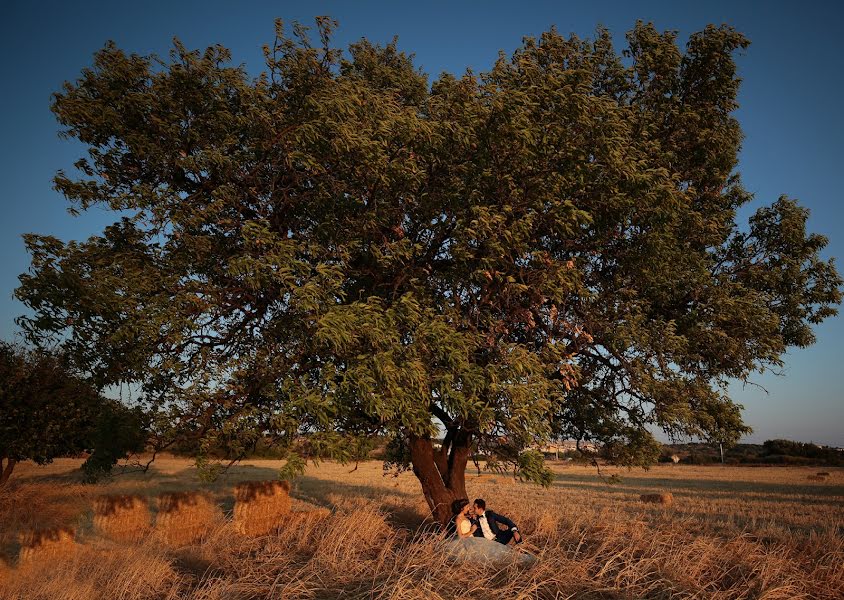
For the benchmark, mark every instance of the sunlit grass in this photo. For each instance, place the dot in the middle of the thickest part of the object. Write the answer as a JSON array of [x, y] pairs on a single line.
[[731, 532]]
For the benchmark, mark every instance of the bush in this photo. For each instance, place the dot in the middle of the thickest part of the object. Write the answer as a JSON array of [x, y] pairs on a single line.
[[699, 459], [813, 453], [118, 432], [48, 409]]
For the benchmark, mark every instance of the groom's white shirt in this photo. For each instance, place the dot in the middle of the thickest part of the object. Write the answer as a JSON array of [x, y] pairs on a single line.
[[485, 528]]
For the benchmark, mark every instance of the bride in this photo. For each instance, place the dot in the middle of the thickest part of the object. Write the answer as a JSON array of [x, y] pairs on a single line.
[[464, 545], [463, 526]]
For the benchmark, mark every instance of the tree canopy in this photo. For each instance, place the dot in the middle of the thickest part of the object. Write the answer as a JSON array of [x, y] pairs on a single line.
[[341, 247]]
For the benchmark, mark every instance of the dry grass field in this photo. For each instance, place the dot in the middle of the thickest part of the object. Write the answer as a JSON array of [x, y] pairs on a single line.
[[728, 532]]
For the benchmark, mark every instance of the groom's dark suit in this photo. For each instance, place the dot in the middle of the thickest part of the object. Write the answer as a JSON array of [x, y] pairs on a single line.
[[493, 519]]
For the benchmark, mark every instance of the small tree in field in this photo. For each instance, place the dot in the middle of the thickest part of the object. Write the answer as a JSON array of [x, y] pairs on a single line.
[[45, 411], [340, 248]]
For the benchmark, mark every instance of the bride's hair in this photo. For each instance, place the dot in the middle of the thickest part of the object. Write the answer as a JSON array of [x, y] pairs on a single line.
[[457, 505]]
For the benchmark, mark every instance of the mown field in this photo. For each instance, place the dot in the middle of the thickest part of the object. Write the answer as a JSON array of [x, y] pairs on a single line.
[[732, 532]]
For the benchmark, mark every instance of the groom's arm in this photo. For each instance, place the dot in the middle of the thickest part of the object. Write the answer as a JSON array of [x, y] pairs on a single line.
[[512, 526], [506, 521]]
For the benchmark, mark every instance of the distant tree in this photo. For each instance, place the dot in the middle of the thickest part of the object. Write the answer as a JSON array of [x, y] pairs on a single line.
[[45, 411], [788, 448], [338, 249], [48, 410], [724, 427], [117, 432]]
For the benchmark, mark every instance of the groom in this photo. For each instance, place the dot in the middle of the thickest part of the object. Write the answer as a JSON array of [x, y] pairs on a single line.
[[488, 521]]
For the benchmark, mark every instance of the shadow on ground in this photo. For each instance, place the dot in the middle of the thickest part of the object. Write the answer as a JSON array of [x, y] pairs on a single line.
[[638, 485]]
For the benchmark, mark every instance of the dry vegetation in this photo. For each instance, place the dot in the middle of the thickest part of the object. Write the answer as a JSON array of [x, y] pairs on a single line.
[[121, 517], [729, 533], [260, 505]]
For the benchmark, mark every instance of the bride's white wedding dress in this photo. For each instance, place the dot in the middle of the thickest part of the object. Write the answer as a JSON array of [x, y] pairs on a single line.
[[479, 548]]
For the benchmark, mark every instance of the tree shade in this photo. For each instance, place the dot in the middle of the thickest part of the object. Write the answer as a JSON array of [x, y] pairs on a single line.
[[339, 248]]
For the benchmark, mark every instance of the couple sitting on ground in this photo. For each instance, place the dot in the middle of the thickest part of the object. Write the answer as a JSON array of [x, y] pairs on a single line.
[[475, 532], [475, 520]]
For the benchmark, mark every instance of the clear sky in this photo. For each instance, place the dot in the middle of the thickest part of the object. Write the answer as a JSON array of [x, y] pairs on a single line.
[[790, 111]]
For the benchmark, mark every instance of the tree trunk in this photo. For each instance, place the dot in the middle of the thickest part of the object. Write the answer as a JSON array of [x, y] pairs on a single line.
[[6, 472], [441, 473]]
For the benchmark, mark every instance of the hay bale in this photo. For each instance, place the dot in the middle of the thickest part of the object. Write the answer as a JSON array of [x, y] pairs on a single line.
[[46, 543], [184, 517], [664, 498], [260, 506], [122, 518]]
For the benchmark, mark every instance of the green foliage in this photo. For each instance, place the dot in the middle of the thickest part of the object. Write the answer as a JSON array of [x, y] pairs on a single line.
[[785, 449], [771, 452], [208, 469], [633, 447], [118, 432], [696, 458], [293, 467], [531, 467], [341, 248], [396, 456], [48, 410], [45, 409]]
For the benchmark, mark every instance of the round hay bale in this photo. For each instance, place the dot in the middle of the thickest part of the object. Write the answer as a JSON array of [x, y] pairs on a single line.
[[663, 498]]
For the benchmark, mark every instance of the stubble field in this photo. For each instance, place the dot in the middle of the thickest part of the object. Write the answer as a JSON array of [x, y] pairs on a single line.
[[732, 532]]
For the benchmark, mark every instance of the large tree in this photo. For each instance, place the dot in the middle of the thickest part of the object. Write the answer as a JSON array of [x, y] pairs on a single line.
[[340, 248]]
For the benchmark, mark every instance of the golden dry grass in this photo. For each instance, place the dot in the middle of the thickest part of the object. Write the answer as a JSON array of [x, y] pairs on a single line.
[[731, 533]]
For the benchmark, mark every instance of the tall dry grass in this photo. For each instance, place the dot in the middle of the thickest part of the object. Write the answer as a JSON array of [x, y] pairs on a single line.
[[737, 534]]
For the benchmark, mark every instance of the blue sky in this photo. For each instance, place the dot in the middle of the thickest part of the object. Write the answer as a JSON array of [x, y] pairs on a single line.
[[790, 112]]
